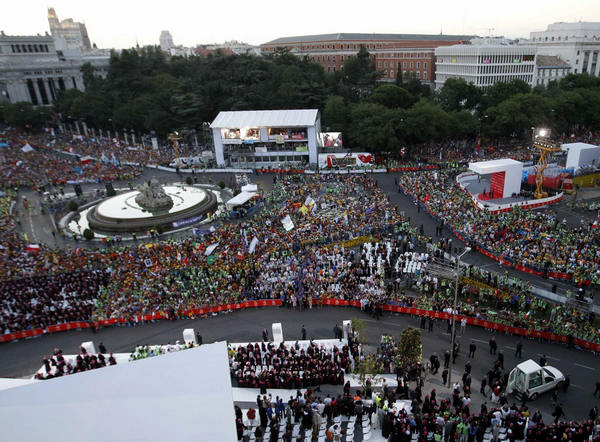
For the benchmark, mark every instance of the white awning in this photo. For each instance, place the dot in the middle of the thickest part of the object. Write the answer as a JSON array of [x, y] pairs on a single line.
[[250, 188], [238, 200], [487, 167], [267, 118]]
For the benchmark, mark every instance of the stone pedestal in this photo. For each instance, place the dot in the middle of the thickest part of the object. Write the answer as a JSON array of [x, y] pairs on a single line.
[[89, 347], [189, 336], [277, 332]]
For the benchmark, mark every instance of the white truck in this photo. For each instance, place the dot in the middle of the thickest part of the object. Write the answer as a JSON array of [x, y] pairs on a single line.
[[532, 379]]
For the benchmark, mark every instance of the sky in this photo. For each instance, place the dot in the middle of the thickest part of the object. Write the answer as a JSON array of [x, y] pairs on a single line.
[[120, 24]]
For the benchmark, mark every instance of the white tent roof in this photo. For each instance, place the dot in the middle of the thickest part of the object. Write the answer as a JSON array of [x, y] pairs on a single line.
[[183, 396], [250, 188], [492, 166], [270, 118], [577, 146], [240, 199]]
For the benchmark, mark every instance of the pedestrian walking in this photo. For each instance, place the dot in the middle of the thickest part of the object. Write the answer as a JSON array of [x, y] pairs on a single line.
[[558, 413], [543, 361], [519, 350], [445, 376], [597, 390], [463, 326], [483, 385], [493, 345], [265, 334], [430, 324], [472, 349], [501, 359], [303, 333], [447, 359]]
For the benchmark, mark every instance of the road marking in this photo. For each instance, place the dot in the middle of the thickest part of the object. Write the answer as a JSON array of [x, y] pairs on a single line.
[[577, 386], [549, 357], [584, 366], [479, 340], [510, 348]]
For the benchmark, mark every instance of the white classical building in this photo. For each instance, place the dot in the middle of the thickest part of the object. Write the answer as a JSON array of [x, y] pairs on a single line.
[[576, 43], [252, 139], [485, 62], [32, 70]]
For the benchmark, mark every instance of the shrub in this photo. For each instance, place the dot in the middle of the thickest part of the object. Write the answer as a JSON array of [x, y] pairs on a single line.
[[88, 234], [222, 184], [73, 206]]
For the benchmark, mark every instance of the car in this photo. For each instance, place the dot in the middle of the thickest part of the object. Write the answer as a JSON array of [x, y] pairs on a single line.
[[532, 379]]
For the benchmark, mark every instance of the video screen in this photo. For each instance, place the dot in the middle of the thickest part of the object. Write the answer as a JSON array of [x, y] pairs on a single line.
[[331, 139]]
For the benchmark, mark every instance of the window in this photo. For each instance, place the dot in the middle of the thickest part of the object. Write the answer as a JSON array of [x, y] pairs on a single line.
[[379, 64], [385, 65], [424, 65], [411, 64], [392, 73], [424, 75], [419, 75], [418, 65], [404, 65]]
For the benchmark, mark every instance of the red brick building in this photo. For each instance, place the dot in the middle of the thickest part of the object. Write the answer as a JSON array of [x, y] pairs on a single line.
[[391, 52]]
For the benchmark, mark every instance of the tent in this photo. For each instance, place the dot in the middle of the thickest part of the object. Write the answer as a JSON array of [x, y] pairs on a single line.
[[239, 199], [27, 148], [182, 396]]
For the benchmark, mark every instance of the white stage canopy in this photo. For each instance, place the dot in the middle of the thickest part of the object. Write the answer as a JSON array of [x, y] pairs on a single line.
[[239, 199], [266, 118], [183, 396], [506, 175], [581, 155]]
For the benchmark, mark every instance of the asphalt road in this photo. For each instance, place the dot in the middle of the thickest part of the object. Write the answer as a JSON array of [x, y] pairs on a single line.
[[21, 359]]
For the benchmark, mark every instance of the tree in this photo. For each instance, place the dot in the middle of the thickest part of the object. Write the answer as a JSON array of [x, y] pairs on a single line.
[[502, 91], [374, 127], [392, 96], [515, 117], [360, 74], [25, 116], [360, 330], [457, 94], [427, 121], [335, 115], [410, 349], [368, 370]]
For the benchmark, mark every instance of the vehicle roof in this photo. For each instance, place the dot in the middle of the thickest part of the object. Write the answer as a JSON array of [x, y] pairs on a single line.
[[529, 366]]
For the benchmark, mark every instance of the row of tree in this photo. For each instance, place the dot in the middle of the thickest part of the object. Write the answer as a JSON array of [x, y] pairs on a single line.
[[144, 91]]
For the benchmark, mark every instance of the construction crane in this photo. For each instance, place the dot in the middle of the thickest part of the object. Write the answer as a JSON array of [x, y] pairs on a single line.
[[546, 147], [174, 138]]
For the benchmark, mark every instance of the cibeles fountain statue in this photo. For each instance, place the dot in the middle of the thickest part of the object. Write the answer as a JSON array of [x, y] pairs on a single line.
[[153, 197]]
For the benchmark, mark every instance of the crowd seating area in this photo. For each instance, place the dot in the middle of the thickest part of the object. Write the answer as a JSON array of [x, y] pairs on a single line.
[[290, 366], [58, 365]]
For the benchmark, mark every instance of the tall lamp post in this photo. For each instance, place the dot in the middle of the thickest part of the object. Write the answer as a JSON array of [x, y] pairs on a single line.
[[444, 270], [456, 275]]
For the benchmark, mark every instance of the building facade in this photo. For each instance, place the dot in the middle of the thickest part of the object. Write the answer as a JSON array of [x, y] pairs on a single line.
[[484, 64], [550, 68], [408, 53], [74, 33], [254, 139], [578, 44], [166, 41], [31, 69]]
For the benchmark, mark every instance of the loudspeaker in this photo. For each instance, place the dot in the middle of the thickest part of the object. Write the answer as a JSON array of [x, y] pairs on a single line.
[[78, 191]]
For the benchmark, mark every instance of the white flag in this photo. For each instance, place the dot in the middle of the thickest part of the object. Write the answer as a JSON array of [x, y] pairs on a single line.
[[211, 248], [253, 245], [288, 224]]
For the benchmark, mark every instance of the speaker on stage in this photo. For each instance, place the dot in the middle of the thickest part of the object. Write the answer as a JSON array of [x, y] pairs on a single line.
[[78, 191]]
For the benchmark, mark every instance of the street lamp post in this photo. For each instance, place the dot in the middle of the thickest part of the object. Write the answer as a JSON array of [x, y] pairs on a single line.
[[456, 275]]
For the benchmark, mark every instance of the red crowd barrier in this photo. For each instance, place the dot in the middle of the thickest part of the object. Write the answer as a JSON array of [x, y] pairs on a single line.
[[333, 302], [279, 170]]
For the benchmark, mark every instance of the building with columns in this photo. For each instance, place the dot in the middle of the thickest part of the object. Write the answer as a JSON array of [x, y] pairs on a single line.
[[32, 70], [409, 53], [578, 44], [550, 68], [485, 62]]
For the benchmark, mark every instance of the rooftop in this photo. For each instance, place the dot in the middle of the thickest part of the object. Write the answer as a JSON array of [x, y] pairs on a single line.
[[266, 118], [550, 61], [368, 37]]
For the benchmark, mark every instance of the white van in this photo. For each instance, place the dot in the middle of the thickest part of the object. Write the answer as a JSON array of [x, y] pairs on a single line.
[[531, 378]]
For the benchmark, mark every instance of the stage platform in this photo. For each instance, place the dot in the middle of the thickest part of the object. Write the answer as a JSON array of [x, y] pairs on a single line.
[[476, 185]]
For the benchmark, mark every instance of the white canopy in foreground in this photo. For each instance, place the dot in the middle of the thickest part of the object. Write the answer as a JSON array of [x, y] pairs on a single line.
[[239, 199], [183, 396]]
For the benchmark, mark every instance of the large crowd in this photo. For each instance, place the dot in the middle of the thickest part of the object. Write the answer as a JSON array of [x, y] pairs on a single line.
[[539, 240]]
